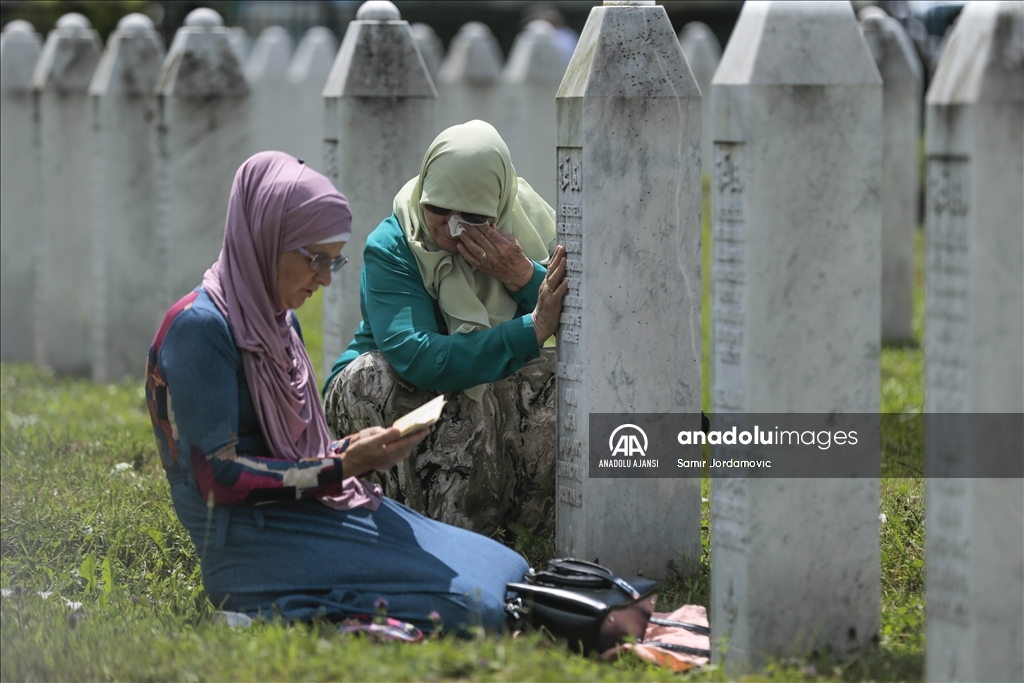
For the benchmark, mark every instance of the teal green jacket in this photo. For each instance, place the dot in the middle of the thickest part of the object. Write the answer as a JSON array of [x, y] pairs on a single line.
[[402, 320]]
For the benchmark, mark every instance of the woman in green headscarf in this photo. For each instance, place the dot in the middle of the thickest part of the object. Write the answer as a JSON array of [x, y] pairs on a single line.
[[461, 287]]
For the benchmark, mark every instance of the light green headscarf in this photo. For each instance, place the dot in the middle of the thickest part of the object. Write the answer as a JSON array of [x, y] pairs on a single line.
[[468, 168]]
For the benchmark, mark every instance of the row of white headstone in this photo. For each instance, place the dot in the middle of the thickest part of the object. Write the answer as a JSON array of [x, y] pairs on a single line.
[[797, 212], [798, 206], [122, 158]]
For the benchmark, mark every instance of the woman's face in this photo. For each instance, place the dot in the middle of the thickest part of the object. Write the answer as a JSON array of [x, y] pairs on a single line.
[[296, 279], [438, 227]]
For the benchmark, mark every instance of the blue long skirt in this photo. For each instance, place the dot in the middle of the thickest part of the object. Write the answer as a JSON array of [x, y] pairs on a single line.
[[302, 560]]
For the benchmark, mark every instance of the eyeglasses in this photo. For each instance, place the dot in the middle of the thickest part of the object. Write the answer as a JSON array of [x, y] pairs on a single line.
[[323, 262], [469, 218]]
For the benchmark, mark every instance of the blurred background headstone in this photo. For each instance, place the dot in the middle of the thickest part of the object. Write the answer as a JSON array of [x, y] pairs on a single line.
[[273, 109], [531, 79], [703, 52], [19, 51], [126, 293], [63, 273], [307, 75], [901, 116], [469, 83], [203, 136]]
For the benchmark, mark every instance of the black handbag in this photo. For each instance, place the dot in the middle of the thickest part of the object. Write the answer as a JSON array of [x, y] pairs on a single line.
[[584, 603]]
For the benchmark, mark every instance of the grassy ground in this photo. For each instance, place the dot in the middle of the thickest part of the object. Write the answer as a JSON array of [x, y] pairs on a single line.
[[86, 517]]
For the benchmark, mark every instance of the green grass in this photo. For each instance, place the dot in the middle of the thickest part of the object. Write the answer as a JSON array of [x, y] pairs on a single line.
[[86, 514]]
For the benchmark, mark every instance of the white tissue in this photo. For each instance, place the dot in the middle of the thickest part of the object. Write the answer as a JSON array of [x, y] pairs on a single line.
[[455, 226]]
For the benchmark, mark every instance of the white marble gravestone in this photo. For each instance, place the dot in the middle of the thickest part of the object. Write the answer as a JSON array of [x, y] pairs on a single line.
[[379, 120], [203, 136], [62, 305], [629, 215], [535, 68], [431, 48], [901, 115], [273, 109], [307, 75], [974, 348], [19, 52], [702, 50], [126, 294], [469, 82], [796, 272]]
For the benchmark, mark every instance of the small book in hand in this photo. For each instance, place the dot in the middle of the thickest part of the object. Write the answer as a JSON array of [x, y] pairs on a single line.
[[424, 416]]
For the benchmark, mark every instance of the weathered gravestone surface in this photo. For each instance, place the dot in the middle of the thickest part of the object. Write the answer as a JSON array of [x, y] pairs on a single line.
[[901, 117], [629, 207], [531, 78], [273, 109], [703, 51], [975, 350], [203, 136], [307, 75], [379, 116], [796, 275], [469, 83], [431, 48], [63, 295], [19, 52], [126, 295]]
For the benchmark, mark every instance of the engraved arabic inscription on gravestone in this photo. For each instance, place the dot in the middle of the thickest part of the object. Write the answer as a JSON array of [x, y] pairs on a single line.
[[729, 276], [570, 368], [947, 383]]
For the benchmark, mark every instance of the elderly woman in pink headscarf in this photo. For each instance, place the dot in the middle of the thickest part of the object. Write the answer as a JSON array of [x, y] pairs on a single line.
[[282, 519]]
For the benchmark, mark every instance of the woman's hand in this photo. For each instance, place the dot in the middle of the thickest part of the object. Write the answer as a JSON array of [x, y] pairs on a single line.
[[496, 253], [549, 298], [376, 449]]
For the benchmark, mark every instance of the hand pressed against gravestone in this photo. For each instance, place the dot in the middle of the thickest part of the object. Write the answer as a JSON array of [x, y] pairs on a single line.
[[549, 297], [495, 252]]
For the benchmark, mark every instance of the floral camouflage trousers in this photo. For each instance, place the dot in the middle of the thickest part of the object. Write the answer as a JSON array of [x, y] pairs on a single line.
[[485, 465]]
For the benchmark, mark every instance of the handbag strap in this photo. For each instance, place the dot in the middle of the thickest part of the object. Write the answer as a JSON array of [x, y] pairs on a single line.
[[581, 572]]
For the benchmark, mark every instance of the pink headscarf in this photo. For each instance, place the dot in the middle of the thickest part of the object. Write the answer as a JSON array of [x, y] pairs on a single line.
[[278, 204]]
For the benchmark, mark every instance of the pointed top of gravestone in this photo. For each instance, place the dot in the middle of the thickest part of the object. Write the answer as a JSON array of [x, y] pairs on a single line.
[[474, 57], [871, 12], [378, 10], [270, 55], [379, 59], [69, 57], [628, 52], [536, 56], [702, 51], [430, 46], [73, 20], [313, 57], [201, 61], [984, 60], [890, 45], [796, 43], [19, 52], [131, 63], [203, 17], [135, 22], [627, 3], [18, 27]]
